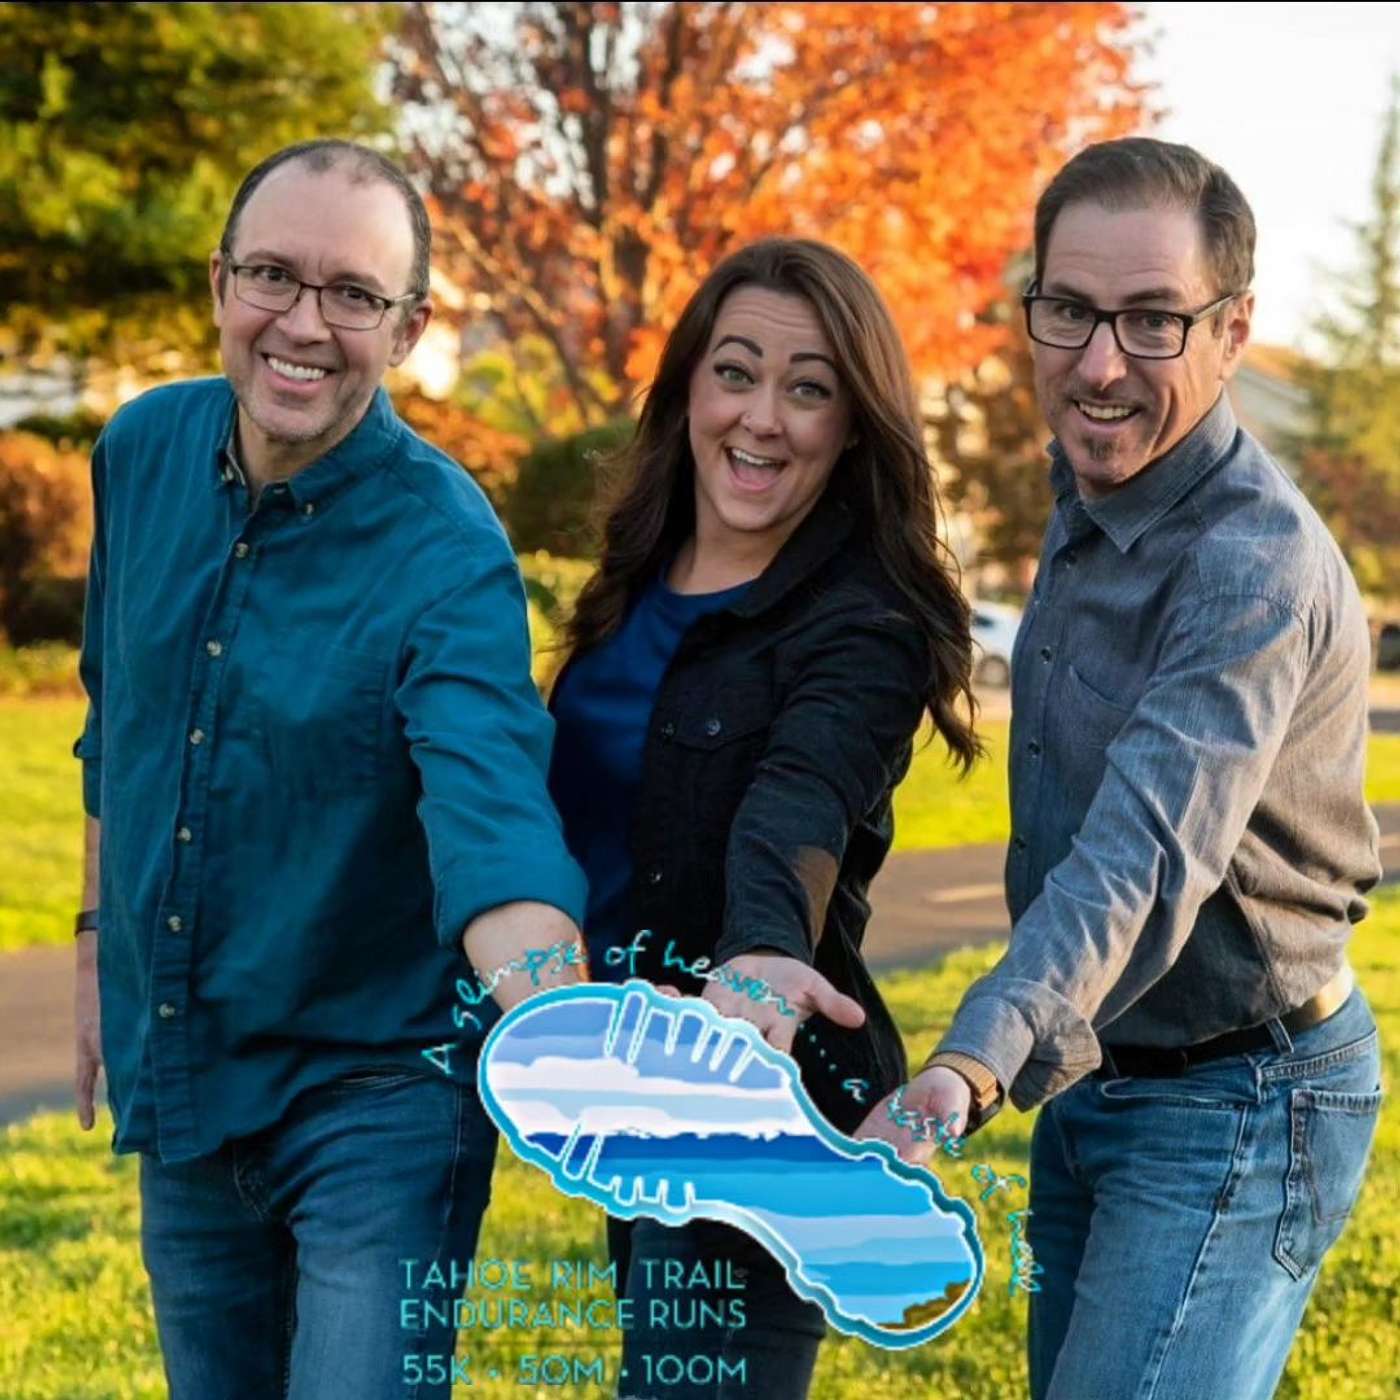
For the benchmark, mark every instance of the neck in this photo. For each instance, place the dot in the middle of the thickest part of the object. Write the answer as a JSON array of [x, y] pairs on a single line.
[[710, 566], [265, 459]]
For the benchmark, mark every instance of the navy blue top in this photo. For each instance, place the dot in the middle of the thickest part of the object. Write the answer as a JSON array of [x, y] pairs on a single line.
[[316, 753], [602, 706]]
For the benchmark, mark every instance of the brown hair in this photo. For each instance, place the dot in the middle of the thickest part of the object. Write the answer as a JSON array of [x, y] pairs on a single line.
[[884, 477], [1140, 172]]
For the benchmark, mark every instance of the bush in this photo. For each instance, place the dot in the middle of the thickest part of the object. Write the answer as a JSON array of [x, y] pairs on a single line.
[[549, 504], [45, 523], [552, 585]]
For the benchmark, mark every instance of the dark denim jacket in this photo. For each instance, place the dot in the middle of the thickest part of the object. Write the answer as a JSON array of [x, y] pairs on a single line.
[[779, 733]]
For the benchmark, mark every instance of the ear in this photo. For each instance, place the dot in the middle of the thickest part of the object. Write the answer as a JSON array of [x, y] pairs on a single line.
[[1239, 316], [216, 268], [410, 331]]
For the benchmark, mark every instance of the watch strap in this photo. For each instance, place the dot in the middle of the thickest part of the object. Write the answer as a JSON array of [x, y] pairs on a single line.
[[86, 922]]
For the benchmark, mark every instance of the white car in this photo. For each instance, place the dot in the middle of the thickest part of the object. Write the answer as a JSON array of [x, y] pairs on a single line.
[[994, 627]]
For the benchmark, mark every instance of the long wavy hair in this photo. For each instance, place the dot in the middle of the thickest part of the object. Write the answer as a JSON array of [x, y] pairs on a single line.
[[884, 478]]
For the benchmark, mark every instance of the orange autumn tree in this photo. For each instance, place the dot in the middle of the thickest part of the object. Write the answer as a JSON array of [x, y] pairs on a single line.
[[588, 163]]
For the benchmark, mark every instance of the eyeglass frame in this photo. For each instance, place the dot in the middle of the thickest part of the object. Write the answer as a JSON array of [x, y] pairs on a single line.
[[1187, 318], [387, 304]]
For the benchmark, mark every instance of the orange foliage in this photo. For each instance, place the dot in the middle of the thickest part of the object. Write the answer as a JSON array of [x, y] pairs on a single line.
[[599, 158]]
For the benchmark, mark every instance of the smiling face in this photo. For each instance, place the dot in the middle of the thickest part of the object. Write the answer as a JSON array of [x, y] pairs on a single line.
[[1114, 414], [302, 385], [768, 418]]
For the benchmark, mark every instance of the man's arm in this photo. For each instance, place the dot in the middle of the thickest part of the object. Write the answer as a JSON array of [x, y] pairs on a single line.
[[87, 1012], [505, 884], [1181, 780]]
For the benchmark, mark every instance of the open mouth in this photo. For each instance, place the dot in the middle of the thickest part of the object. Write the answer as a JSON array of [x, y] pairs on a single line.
[[752, 472], [1105, 415], [294, 371]]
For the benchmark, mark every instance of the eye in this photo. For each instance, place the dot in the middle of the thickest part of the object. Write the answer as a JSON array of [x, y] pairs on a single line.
[[730, 373], [349, 293], [1154, 320], [265, 275], [811, 389], [1073, 312]]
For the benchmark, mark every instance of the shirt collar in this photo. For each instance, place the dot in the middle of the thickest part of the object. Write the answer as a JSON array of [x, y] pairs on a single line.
[[366, 448], [1127, 513]]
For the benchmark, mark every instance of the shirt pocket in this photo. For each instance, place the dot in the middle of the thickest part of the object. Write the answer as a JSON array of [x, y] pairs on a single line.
[[721, 740], [321, 717], [1092, 713]]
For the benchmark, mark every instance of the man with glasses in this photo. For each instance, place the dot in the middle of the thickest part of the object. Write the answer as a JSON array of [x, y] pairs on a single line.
[[1190, 844], [314, 772]]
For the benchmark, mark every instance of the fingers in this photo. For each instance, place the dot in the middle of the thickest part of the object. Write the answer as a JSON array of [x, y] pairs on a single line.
[[84, 1084], [834, 1005]]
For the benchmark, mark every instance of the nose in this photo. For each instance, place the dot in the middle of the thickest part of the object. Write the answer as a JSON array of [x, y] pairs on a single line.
[[761, 414], [302, 320], [1101, 361]]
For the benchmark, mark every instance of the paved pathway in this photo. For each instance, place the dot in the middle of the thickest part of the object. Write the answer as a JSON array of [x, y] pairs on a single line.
[[925, 903]]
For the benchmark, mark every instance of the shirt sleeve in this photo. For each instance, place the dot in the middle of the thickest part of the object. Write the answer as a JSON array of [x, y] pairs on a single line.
[[840, 741], [480, 738], [1181, 779], [88, 747]]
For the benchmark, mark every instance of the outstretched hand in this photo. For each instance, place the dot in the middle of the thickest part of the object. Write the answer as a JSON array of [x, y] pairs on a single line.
[[777, 993], [930, 1110]]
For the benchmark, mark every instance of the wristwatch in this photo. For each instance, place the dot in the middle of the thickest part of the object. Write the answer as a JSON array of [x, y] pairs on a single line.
[[86, 922], [986, 1091]]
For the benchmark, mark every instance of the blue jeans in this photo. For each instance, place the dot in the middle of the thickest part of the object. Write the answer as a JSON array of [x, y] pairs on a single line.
[[1181, 1221], [277, 1263], [713, 1316]]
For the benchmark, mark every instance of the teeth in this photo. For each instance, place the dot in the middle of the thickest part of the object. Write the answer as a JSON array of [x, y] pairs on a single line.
[[1102, 414], [291, 371], [748, 460]]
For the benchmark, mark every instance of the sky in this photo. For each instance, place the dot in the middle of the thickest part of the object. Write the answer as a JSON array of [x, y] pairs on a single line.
[[1289, 99]]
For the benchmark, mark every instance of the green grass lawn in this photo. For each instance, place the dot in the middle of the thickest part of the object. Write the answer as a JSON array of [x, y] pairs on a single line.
[[41, 814], [75, 1323]]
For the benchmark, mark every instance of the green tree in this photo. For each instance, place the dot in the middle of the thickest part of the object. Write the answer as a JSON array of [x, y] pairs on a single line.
[[124, 130], [1349, 449]]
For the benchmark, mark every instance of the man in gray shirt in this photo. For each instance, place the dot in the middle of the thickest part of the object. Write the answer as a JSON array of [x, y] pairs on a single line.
[[1190, 843]]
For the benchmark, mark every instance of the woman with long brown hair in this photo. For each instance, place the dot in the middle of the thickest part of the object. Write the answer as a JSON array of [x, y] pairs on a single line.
[[772, 615]]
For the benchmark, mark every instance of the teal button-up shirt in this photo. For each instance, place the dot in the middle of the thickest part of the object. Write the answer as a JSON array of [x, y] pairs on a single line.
[[316, 753]]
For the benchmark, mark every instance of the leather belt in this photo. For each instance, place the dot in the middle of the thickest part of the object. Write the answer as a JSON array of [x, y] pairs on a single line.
[[1158, 1062]]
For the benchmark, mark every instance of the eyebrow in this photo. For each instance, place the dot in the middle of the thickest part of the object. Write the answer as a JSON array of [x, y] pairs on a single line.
[[1146, 297], [366, 279], [753, 347]]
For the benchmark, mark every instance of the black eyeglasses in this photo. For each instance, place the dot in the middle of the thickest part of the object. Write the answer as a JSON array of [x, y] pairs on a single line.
[[343, 304], [1145, 333]]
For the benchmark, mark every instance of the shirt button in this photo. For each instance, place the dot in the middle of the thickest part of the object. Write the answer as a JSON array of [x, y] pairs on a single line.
[[668, 730], [184, 834], [309, 508], [214, 648], [1019, 842], [1046, 653], [654, 875], [240, 550], [1033, 748], [196, 736], [165, 1011], [713, 726], [174, 923]]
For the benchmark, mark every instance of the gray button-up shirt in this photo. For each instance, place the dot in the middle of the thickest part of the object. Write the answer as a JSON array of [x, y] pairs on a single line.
[[1190, 843]]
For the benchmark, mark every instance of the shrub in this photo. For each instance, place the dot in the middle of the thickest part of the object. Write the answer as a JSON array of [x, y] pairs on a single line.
[[550, 503], [45, 523]]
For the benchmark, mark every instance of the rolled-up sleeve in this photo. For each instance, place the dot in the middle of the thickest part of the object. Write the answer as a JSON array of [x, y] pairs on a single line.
[[480, 739], [88, 746], [840, 740], [1182, 778]]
